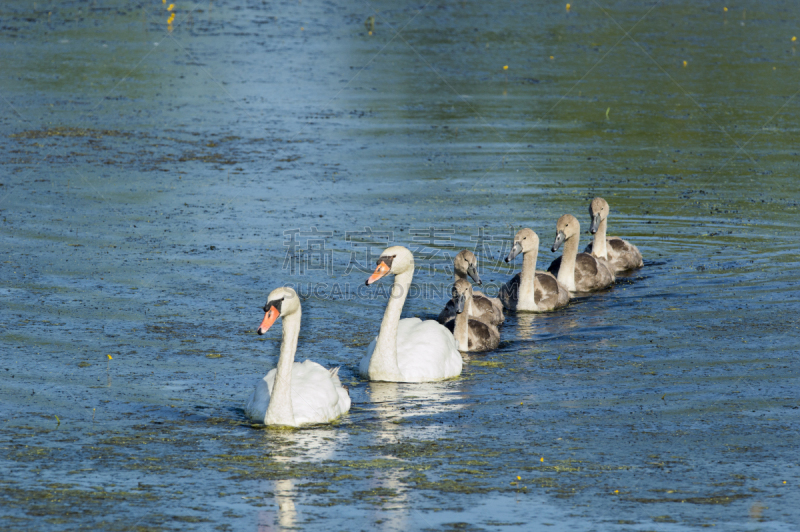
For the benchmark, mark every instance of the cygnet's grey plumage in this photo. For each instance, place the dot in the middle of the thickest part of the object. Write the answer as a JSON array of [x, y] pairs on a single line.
[[578, 272], [620, 254], [472, 335], [543, 292], [488, 309]]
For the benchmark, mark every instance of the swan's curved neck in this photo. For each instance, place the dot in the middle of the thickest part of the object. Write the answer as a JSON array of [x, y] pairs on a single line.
[[279, 411], [383, 363], [599, 248], [461, 327], [459, 276], [566, 272], [525, 298]]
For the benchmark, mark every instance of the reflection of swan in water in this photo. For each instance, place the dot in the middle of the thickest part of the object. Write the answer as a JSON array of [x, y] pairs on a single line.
[[530, 326], [526, 325], [285, 516], [306, 446], [284, 496], [390, 403]]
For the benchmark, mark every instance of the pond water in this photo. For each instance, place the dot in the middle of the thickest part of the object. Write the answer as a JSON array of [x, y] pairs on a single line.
[[156, 178]]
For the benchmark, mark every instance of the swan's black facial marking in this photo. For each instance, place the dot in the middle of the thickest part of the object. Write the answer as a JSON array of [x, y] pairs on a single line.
[[386, 260], [274, 303]]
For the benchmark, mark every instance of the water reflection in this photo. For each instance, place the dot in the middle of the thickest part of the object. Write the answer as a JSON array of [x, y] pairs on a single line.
[[313, 444], [286, 515], [391, 502], [395, 405], [395, 402], [530, 325], [526, 325], [718, 232]]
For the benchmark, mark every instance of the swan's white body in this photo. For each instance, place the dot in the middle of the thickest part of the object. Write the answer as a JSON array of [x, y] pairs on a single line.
[[295, 393], [408, 350], [419, 348], [317, 395]]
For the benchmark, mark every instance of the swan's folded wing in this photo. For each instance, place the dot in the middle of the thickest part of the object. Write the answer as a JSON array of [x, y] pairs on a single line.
[[498, 310], [363, 368], [623, 255], [488, 309], [426, 351], [315, 394], [546, 291], [256, 407]]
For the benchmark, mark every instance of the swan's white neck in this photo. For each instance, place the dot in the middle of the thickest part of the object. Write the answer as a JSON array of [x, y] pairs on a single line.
[[525, 297], [461, 327], [383, 363], [566, 272], [599, 248], [279, 411]]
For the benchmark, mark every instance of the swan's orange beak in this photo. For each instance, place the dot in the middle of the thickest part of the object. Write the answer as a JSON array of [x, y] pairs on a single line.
[[269, 318], [379, 272]]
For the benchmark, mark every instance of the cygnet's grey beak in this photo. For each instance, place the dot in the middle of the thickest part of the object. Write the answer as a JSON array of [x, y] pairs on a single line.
[[472, 272], [515, 250], [460, 301], [595, 223], [560, 237]]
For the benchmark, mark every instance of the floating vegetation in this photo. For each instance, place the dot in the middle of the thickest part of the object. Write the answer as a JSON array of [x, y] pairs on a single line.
[[487, 363], [716, 499], [145, 194], [68, 132]]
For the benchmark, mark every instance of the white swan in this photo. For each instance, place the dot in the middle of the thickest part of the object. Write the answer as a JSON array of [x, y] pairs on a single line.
[[294, 393], [578, 272], [408, 350], [620, 254], [488, 309], [531, 290]]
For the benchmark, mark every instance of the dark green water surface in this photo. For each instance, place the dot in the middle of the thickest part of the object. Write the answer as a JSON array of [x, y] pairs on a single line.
[[153, 176]]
